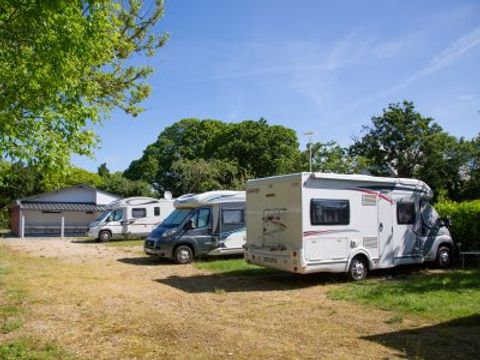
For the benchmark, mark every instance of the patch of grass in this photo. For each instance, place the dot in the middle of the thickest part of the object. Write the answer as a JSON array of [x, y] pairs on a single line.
[[26, 348], [121, 243], [232, 267], [10, 325], [440, 296]]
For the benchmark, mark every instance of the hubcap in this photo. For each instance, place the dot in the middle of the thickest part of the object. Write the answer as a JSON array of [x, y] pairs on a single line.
[[444, 257], [358, 269], [183, 255]]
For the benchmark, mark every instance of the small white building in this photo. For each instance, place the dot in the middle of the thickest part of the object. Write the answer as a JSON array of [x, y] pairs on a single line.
[[60, 212]]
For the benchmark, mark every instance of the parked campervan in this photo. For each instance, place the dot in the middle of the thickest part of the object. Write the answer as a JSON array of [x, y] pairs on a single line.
[[130, 217], [211, 223], [315, 222]]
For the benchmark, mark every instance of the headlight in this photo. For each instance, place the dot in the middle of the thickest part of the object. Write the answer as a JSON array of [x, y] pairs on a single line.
[[169, 233]]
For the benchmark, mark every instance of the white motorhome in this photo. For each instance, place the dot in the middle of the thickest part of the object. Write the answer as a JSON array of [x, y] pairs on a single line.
[[212, 223], [130, 218], [315, 222]]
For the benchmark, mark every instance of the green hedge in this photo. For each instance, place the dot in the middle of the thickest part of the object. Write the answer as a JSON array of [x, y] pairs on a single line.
[[465, 218], [4, 218]]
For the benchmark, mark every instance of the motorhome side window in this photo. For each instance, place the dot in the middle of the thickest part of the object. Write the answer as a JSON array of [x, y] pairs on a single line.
[[139, 212], [156, 211], [232, 217], [329, 212], [202, 218], [406, 213]]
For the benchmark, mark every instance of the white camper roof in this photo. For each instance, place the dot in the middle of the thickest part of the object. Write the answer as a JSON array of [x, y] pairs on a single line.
[[135, 201], [413, 184], [209, 198]]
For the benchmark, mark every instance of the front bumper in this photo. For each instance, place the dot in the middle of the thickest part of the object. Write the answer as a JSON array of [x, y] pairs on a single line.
[[92, 233], [152, 247]]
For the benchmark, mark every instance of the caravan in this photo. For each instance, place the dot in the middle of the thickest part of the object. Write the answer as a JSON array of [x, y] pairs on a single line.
[[314, 222], [211, 223], [130, 218]]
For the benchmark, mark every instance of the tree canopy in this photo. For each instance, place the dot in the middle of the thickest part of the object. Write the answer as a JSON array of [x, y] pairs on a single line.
[[231, 152], [64, 65]]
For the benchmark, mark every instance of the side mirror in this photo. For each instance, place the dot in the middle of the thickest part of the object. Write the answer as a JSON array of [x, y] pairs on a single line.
[[108, 219], [189, 225], [445, 222]]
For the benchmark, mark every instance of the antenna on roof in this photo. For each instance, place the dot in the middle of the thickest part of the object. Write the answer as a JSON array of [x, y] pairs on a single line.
[[167, 195]]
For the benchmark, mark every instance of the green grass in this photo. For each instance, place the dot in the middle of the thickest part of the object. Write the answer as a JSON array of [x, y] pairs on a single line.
[[439, 296], [122, 243], [27, 348], [232, 267]]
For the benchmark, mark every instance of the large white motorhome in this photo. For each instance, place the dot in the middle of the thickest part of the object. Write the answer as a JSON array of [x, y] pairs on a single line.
[[212, 223], [130, 218], [315, 222]]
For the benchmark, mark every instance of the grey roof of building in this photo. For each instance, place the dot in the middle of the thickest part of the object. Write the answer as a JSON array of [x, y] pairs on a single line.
[[60, 206]]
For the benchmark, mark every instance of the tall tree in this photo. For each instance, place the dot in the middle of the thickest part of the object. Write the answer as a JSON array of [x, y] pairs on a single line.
[[330, 157], [65, 64], [238, 150], [397, 141]]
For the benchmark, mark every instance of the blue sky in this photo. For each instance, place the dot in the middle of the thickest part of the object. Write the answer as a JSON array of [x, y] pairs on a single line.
[[322, 66]]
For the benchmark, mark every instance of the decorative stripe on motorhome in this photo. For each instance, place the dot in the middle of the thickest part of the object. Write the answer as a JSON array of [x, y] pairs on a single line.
[[322, 232], [377, 193]]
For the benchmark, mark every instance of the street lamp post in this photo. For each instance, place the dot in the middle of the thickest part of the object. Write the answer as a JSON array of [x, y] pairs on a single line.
[[310, 134]]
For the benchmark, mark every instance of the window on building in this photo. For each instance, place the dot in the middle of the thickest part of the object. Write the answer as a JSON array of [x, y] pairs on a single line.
[[406, 213], [329, 212], [139, 213], [232, 216]]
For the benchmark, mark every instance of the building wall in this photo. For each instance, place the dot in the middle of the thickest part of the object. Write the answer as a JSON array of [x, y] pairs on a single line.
[[104, 198], [76, 194]]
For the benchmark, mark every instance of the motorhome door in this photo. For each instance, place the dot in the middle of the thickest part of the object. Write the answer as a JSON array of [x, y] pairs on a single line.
[[405, 236], [201, 229], [385, 232]]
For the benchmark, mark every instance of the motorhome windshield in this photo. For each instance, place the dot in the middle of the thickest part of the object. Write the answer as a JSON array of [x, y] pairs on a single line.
[[103, 215], [176, 218]]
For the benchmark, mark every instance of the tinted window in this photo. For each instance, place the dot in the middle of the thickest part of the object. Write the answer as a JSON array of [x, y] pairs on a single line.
[[156, 211], [232, 217], [202, 218], [117, 215], [329, 212], [406, 213], [139, 212], [176, 217]]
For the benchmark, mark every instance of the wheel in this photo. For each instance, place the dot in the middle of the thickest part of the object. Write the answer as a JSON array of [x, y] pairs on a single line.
[[104, 236], [444, 257], [358, 269], [183, 254]]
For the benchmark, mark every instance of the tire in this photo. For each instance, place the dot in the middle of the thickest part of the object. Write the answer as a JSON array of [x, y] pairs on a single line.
[[358, 270], [444, 257], [104, 236], [183, 254]]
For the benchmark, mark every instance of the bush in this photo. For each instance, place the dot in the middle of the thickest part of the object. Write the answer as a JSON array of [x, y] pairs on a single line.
[[4, 218], [465, 218]]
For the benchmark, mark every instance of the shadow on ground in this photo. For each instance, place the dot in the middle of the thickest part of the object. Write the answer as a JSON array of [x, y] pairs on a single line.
[[456, 339], [257, 280], [145, 261], [85, 241]]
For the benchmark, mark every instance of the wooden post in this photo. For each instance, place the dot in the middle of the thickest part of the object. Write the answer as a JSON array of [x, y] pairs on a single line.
[[62, 228]]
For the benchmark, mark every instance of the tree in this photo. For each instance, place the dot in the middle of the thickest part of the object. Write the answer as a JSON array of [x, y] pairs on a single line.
[[103, 170], [65, 64], [237, 150], [330, 157], [471, 188], [117, 184], [397, 141]]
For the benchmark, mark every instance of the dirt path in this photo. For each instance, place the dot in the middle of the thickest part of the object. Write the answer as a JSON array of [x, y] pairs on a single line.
[[105, 302]]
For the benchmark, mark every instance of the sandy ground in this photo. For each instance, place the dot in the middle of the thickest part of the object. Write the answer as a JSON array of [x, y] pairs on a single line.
[[103, 302]]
